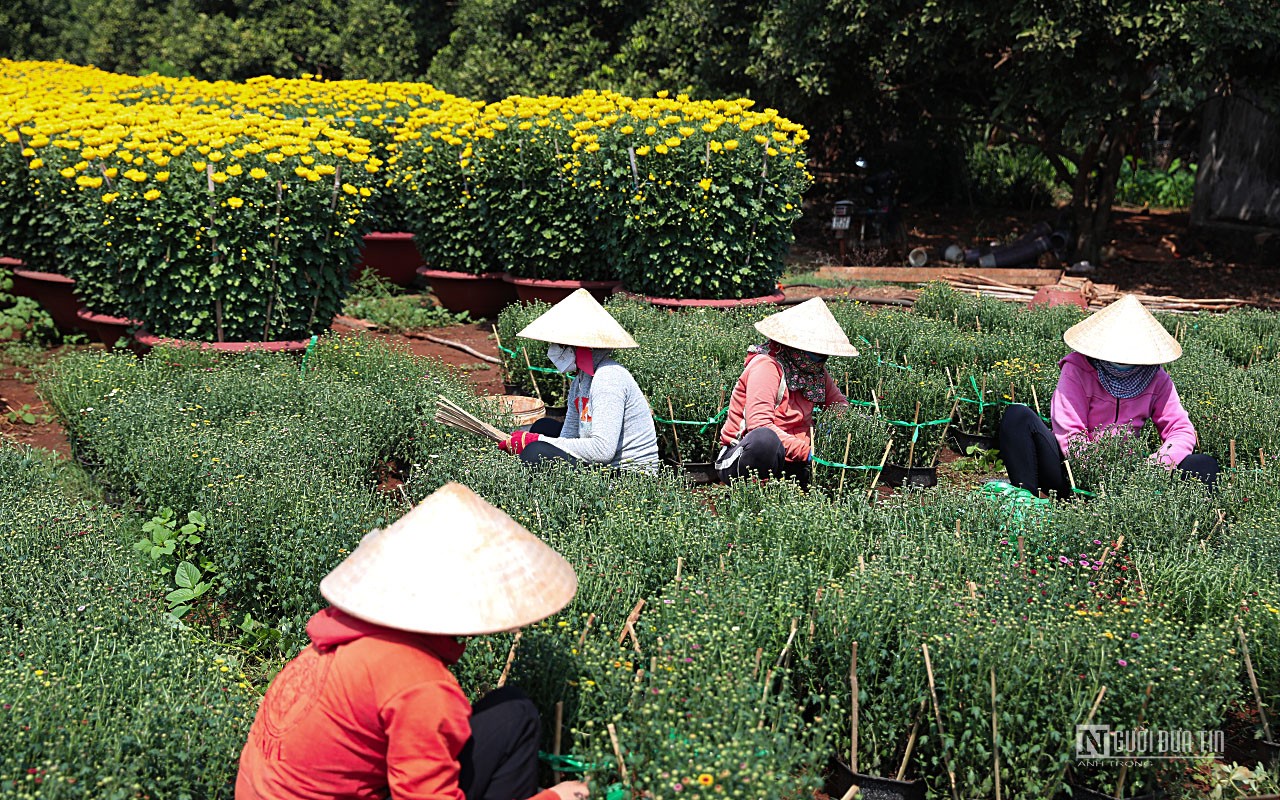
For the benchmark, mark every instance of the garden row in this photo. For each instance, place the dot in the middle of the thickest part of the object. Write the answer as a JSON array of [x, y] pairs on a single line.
[[232, 212], [737, 680], [951, 365]]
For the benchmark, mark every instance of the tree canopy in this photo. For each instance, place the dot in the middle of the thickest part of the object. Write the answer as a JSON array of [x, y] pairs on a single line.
[[1074, 80]]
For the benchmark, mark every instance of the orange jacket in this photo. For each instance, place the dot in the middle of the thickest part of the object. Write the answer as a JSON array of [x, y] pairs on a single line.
[[755, 400], [364, 712]]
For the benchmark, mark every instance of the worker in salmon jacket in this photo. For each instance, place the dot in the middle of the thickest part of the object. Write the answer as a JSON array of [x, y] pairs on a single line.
[[766, 431], [607, 418], [370, 709], [1112, 383]]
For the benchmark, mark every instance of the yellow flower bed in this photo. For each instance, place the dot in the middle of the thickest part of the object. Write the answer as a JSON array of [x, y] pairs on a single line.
[[230, 211]]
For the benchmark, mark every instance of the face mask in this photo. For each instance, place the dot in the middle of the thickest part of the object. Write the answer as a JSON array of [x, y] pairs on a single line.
[[562, 357], [816, 358], [1122, 368]]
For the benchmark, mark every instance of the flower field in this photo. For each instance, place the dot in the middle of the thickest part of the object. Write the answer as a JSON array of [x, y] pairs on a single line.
[[233, 211], [219, 490]]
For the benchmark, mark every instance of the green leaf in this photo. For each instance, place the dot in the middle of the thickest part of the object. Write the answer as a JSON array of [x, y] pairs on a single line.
[[187, 575]]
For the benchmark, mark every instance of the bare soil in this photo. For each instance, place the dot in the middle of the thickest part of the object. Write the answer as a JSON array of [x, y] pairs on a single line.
[[1152, 252]]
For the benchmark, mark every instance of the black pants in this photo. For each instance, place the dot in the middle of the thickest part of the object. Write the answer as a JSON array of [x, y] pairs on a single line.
[[541, 452], [500, 760], [761, 454], [1031, 454]]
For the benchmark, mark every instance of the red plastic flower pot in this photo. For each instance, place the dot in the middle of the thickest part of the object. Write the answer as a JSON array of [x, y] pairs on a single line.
[[145, 341], [394, 256], [55, 293], [530, 290], [107, 329], [481, 295], [676, 302]]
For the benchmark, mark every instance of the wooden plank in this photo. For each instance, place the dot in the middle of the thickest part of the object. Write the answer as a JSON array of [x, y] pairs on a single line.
[[1032, 277]]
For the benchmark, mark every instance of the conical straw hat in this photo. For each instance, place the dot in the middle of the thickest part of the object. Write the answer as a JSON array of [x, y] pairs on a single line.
[[810, 327], [580, 321], [1123, 332], [454, 565]]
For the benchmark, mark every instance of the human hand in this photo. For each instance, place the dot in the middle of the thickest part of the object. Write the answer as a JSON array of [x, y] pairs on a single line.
[[518, 441], [571, 790]]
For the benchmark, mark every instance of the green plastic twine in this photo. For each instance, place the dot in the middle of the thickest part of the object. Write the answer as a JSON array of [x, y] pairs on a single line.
[[310, 346], [705, 424], [530, 367], [838, 465]]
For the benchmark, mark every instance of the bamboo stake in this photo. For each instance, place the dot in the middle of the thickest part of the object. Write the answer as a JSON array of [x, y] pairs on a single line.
[[1036, 399], [851, 792], [679, 566], [995, 732], [675, 436], [862, 563], [848, 440], [876, 479], [982, 403], [511, 657], [875, 402], [937, 713], [1013, 397], [853, 728], [1231, 453], [911, 740], [1253, 681], [756, 670], [532, 377], [617, 752], [631, 620], [1088, 720], [583, 638], [915, 434], [502, 362], [1124, 766], [795, 625], [1262, 458], [1022, 553], [1070, 477], [556, 741], [954, 408]]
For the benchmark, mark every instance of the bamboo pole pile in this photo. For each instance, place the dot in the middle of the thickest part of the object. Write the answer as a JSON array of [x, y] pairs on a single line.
[[1097, 294], [455, 416]]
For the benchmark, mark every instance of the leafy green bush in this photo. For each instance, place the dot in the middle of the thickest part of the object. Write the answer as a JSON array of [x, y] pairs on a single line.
[[1141, 185], [1009, 176], [387, 306]]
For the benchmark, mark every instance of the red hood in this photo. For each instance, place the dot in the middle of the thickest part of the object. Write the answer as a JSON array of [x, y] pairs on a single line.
[[331, 627]]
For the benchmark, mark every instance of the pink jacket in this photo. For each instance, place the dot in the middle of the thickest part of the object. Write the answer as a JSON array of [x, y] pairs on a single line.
[[1082, 409], [754, 400]]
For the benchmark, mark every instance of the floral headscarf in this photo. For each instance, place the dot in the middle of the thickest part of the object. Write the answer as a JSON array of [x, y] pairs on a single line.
[[802, 375]]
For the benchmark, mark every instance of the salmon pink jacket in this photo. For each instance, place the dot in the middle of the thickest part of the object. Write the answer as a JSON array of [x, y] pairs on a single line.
[[1082, 410], [755, 400], [364, 712]]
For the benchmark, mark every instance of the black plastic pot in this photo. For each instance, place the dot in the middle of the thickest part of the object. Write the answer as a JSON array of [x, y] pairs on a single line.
[[1269, 754], [700, 472], [841, 778], [962, 440], [894, 475]]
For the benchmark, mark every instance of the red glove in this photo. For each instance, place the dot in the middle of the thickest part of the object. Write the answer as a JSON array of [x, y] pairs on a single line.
[[518, 442]]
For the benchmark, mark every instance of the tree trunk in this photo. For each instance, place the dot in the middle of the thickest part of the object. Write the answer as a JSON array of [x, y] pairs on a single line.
[[1094, 193]]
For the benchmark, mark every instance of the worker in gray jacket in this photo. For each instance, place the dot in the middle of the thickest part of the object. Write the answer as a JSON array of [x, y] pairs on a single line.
[[607, 419]]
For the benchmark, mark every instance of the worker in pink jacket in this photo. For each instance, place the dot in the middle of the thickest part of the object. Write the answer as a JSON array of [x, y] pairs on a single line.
[[1111, 385], [766, 429]]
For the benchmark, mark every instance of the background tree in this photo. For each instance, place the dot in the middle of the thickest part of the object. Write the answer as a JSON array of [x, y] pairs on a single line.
[[1075, 80]]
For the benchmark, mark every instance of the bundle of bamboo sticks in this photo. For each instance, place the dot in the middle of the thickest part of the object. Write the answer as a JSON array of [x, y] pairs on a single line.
[[1097, 294], [455, 416]]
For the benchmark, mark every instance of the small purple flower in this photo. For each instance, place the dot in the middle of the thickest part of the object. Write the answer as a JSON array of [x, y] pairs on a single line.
[[1097, 541], [1133, 635], [1064, 560], [677, 787], [1122, 662]]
